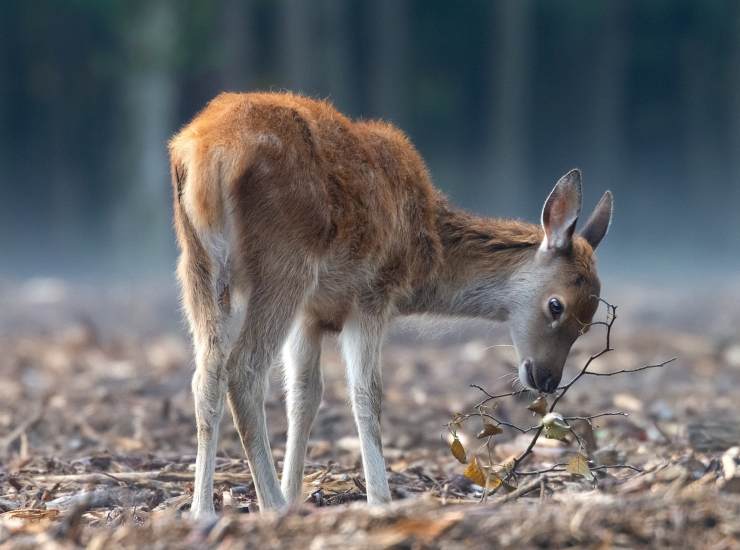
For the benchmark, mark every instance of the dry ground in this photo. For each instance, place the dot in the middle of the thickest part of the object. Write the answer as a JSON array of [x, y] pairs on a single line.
[[97, 436]]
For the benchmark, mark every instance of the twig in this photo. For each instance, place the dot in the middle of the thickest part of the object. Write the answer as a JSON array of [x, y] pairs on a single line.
[[490, 397], [638, 369], [520, 491], [561, 467], [101, 478], [512, 469], [587, 418], [464, 417], [22, 428], [611, 318]]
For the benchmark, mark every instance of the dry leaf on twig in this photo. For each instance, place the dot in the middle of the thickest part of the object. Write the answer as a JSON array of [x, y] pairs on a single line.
[[488, 430], [539, 405], [458, 451]]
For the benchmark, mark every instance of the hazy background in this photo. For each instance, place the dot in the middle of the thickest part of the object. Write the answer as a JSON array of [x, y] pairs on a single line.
[[501, 98]]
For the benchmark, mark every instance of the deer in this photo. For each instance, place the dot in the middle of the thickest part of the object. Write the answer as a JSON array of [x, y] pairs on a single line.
[[294, 222]]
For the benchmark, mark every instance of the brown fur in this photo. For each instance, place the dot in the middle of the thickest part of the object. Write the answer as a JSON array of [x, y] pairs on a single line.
[[356, 195], [319, 223]]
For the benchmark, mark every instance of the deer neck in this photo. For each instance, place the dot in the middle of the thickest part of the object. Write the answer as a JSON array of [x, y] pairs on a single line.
[[480, 261]]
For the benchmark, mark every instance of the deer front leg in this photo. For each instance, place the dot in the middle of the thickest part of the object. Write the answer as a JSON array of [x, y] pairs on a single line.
[[361, 341], [304, 388]]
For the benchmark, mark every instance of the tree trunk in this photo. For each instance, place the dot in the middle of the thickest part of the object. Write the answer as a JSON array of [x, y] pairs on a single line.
[[510, 91], [143, 219], [297, 46], [337, 59], [237, 71], [733, 155], [608, 99], [387, 62], [699, 157]]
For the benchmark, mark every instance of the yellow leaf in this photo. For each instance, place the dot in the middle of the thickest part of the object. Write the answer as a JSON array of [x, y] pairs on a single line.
[[458, 451], [578, 465], [474, 473], [539, 405], [488, 430]]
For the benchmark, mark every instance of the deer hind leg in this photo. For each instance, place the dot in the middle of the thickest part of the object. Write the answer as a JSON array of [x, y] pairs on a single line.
[[361, 341], [304, 388], [271, 310], [205, 296]]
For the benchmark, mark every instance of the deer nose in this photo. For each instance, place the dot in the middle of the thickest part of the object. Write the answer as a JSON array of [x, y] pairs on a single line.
[[544, 380]]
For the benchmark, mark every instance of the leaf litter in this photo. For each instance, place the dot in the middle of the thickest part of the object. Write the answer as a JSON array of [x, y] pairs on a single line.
[[97, 442]]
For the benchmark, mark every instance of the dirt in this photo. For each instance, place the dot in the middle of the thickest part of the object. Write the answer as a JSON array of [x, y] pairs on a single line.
[[97, 434]]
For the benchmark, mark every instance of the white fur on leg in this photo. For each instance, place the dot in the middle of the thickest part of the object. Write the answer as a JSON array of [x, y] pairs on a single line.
[[361, 340], [246, 394], [269, 320], [209, 387], [304, 388]]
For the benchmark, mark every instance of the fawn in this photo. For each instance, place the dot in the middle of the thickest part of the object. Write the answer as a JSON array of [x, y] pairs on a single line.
[[294, 221]]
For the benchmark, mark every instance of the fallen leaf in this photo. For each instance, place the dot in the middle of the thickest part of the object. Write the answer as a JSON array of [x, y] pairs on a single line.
[[425, 530], [578, 465], [458, 451], [539, 405], [489, 430]]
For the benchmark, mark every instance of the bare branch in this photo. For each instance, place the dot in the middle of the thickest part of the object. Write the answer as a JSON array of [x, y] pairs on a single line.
[[561, 467], [490, 397], [512, 469], [645, 367], [587, 418]]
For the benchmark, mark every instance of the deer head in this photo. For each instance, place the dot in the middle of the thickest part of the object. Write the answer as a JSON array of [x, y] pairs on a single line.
[[557, 291]]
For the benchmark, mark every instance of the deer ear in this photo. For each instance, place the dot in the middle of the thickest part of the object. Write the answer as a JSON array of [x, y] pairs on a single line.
[[561, 210], [598, 223]]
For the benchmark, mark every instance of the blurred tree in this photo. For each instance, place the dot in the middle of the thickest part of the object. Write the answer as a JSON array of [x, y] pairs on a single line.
[[499, 95], [236, 35], [142, 220], [699, 146], [389, 31], [732, 84], [337, 53], [510, 58], [296, 43], [608, 97]]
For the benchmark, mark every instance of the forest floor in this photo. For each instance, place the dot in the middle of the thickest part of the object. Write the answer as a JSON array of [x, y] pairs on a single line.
[[97, 434]]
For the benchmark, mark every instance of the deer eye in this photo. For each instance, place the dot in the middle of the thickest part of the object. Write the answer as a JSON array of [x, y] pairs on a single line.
[[556, 307]]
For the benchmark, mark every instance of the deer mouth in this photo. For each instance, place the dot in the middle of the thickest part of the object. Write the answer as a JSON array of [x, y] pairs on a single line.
[[528, 371]]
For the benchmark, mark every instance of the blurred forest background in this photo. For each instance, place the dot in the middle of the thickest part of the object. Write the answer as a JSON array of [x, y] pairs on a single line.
[[501, 97]]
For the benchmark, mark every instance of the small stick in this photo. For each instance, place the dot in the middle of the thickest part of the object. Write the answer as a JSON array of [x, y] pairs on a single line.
[[561, 467], [611, 317], [638, 369], [220, 477], [523, 490], [490, 397], [22, 428]]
